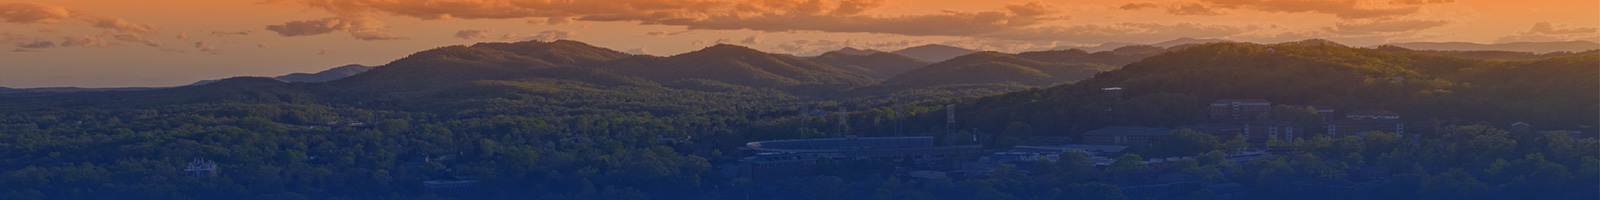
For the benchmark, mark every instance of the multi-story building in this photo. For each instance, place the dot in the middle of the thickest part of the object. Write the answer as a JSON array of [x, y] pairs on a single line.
[[1261, 131], [881, 148], [776, 166], [1360, 127], [1234, 110], [1126, 135], [1372, 114], [1221, 130]]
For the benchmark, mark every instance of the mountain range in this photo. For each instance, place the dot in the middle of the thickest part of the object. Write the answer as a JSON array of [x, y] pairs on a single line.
[[933, 52], [722, 68], [323, 76], [1165, 44], [1534, 47]]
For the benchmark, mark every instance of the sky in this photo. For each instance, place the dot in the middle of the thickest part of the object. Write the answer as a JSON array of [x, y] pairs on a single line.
[[161, 43]]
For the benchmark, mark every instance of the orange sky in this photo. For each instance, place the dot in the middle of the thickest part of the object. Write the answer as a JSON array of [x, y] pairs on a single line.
[[119, 43]]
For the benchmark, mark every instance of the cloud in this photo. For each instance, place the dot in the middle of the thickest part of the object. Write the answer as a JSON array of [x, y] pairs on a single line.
[[322, 52], [38, 13], [752, 40], [552, 35], [1138, 6], [33, 13], [1419, 2], [472, 34], [136, 39], [204, 46], [230, 33], [120, 25], [264, 46], [549, 35], [760, 15], [1128, 31], [1193, 9], [363, 28], [638, 51], [1344, 9], [1391, 26], [183, 35], [37, 45], [664, 33], [1547, 28], [84, 41], [1549, 32]]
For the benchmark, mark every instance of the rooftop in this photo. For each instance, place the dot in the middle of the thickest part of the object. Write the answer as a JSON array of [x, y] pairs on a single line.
[[1060, 148], [1130, 130], [778, 157], [1229, 101], [831, 144]]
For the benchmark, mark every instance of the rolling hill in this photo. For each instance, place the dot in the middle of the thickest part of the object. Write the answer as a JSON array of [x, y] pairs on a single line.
[[880, 65], [1535, 47], [995, 67], [933, 52], [1555, 92]]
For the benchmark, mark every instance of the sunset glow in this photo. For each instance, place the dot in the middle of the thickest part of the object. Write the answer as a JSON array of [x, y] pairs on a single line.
[[158, 43]]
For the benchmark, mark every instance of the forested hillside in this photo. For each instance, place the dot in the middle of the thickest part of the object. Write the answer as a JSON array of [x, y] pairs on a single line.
[[1554, 93], [564, 120]]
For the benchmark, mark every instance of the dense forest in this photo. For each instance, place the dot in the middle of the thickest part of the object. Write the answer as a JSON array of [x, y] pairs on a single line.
[[564, 120]]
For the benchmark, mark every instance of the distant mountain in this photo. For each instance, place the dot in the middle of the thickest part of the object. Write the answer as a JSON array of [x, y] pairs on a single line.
[[1535, 47], [1116, 58], [880, 65], [5, 90], [933, 52], [453, 66], [1166, 44], [996, 67], [1496, 55], [326, 75], [1419, 86], [1313, 42], [1185, 40], [737, 65], [855, 51], [323, 76]]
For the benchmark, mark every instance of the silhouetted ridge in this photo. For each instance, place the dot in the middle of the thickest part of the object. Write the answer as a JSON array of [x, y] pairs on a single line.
[[879, 65]]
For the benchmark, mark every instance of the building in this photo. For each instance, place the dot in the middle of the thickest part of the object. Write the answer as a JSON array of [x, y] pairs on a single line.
[[1222, 131], [1230, 110], [1092, 150], [777, 166], [882, 148], [202, 168], [1372, 114], [1126, 135], [1113, 92], [1261, 131], [1323, 110], [1360, 127], [449, 187]]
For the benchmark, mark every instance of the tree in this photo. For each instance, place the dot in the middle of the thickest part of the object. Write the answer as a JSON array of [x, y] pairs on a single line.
[[1188, 142], [1453, 184], [1126, 166]]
